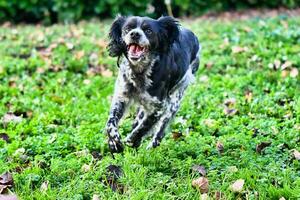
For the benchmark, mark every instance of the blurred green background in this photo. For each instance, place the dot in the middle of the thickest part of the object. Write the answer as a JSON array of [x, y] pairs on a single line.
[[52, 11]]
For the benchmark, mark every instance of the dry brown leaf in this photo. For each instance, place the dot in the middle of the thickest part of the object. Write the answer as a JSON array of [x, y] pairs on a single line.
[[79, 54], [6, 179], [238, 49], [106, 73], [230, 102], [219, 195], [230, 111], [296, 154], [102, 43], [176, 135], [284, 73], [294, 72], [220, 147], [262, 146], [248, 96], [200, 169], [237, 186], [209, 65], [201, 184]]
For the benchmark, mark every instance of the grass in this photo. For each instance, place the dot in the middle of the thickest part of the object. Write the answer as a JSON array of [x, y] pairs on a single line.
[[55, 79]]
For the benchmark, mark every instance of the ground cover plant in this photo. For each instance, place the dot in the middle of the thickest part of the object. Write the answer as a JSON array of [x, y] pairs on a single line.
[[236, 136]]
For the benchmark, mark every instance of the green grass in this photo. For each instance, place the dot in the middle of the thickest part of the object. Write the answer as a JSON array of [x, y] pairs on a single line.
[[67, 108]]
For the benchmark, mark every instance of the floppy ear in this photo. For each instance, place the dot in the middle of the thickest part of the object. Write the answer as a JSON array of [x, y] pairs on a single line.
[[170, 29], [116, 45]]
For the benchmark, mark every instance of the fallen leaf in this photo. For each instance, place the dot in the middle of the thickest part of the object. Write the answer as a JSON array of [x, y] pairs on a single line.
[[230, 111], [114, 172], [96, 197], [87, 81], [200, 169], [220, 147], [277, 64], [262, 146], [6, 179], [230, 102], [201, 184], [97, 155], [44, 186], [296, 154], [69, 45], [284, 73], [106, 73], [4, 137], [79, 54], [237, 186], [203, 79], [294, 72], [248, 96], [11, 117], [204, 196], [285, 65], [3, 189], [232, 169], [86, 168], [209, 65], [210, 122], [82, 153], [102, 43], [94, 59], [238, 49], [218, 195], [176, 135], [8, 197]]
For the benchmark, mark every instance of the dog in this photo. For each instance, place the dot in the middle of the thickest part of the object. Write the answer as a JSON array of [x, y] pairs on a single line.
[[157, 60]]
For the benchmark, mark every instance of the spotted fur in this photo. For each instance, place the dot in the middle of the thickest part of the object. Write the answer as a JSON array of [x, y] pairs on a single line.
[[155, 83]]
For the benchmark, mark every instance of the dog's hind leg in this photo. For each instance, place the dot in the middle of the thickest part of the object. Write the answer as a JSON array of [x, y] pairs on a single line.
[[141, 128], [160, 126]]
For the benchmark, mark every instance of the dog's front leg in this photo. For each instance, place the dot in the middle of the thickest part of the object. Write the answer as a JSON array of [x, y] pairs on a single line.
[[114, 139], [118, 107]]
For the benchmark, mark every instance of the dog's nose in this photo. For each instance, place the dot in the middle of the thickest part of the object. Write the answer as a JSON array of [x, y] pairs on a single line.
[[135, 35]]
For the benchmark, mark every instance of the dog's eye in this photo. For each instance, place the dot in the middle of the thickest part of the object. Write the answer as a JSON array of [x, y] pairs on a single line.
[[148, 31], [126, 30]]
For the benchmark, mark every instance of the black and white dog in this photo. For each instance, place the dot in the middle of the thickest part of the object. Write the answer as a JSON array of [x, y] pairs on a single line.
[[158, 61]]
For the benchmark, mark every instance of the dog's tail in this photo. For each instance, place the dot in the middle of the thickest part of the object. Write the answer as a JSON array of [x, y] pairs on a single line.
[[196, 61]]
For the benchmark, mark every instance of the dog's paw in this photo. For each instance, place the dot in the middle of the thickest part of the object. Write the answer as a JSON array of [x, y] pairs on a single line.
[[115, 145], [153, 144], [132, 143]]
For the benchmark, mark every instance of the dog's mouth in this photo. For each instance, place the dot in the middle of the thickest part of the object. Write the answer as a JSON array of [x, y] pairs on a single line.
[[135, 51]]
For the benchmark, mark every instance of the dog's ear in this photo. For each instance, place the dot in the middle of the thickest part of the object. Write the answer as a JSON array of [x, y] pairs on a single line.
[[170, 29], [116, 44]]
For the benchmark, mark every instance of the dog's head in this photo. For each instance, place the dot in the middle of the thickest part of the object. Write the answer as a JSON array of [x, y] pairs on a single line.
[[140, 37]]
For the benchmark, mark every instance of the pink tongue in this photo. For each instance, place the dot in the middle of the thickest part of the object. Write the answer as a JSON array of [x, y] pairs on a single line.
[[135, 49]]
